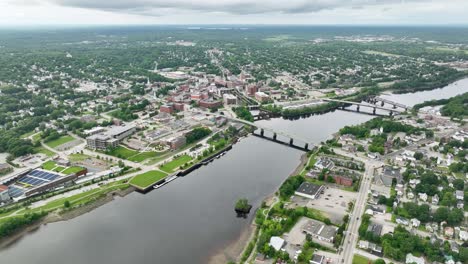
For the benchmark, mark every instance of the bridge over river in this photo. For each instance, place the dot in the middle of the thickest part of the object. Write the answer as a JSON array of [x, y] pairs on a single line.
[[292, 138]]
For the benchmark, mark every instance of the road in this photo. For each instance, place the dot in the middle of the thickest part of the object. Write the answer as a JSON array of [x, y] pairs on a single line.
[[352, 235]]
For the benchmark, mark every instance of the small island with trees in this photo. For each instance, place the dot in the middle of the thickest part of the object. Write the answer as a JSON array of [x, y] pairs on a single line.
[[242, 207]]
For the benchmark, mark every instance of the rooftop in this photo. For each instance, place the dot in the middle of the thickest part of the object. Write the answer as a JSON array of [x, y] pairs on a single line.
[[309, 188]]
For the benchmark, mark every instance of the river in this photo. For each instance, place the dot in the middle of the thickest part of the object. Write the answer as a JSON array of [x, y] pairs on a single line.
[[191, 218]]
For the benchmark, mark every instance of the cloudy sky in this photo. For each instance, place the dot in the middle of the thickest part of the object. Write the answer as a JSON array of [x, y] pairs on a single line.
[[381, 12]]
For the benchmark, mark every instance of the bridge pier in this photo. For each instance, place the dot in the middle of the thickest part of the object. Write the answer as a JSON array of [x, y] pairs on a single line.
[[374, 110], [274, 136], [357, 108], [262, 132], [382, 103], [394, 106], [291, 141], [306, 147], [391, 113]]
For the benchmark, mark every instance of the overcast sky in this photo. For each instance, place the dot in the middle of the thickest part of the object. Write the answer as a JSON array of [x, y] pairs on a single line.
[[381, 12]]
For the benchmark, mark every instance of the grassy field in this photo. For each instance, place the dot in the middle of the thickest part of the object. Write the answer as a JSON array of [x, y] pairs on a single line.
[[147, 179], [71, 170], [170, 167], [58, 169], [44, 151], [358, 259], [37, 137], [143, 156], [130, 154], [49, 165], [60, 141]]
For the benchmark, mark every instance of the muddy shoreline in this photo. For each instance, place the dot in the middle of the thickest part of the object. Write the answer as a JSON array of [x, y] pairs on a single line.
[[56, 216]]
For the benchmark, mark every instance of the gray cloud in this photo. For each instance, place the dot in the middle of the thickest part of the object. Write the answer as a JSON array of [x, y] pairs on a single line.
[[239, 7]]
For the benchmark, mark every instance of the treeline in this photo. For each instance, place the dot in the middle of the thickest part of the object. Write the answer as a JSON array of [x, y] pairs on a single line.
[[443, 77], [243, 112], [423, 213], [126, 111], [290, 186], [454, 107], [388, 126], [402, 242], [317, 109], [197, 134], [13, 224]]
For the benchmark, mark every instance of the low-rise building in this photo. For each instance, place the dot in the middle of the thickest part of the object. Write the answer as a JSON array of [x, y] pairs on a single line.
[[389, 175], [324, 163], [319, 230], [309, 190], [276, 242], [4, 193], [463, 235], [176, 142], [166, 108], [317, 259], [229, 99], [262, 97], [376, 229], [402, 221], [110, 138], [210, 103], [410, 259]]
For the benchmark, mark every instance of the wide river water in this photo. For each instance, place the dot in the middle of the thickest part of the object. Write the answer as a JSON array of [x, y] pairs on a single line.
[[191, 218]]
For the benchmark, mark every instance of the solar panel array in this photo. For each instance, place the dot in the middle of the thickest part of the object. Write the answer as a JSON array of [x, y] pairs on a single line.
[[33, 178], [15, 191], [43, 175]]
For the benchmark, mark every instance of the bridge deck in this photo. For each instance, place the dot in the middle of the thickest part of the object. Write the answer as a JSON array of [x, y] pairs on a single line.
[[364, 105], [391, 102]]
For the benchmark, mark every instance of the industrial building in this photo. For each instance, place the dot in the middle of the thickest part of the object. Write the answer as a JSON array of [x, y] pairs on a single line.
[[309, 190], [319, 230]]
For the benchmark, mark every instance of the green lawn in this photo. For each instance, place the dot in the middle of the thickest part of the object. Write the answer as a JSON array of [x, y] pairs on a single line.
[[58, 169], [170, 167], [130, 154], [71, 170], [60, 141], [44, 151], [143, 156], [358, 259], [37, 137], [148, 178], [49, 165]]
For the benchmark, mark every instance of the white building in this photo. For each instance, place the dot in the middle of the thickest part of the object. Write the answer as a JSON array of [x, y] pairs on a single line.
[[412, 259], [276, 242], [4, 194]]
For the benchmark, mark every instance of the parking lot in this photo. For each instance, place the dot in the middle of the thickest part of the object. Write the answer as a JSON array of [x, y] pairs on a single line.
[[333, 203]]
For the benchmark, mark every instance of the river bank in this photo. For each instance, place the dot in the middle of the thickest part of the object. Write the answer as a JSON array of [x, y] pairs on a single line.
[[56, 216], [235, 249]]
